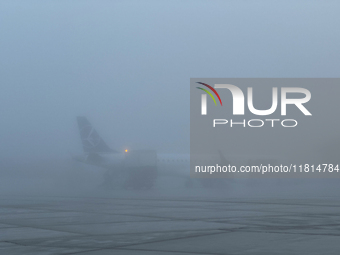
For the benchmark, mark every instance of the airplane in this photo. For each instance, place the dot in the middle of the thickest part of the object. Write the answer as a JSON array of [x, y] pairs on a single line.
[[139, 169]]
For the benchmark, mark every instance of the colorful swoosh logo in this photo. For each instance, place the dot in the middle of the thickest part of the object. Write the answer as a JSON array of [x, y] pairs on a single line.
[[208, 92]]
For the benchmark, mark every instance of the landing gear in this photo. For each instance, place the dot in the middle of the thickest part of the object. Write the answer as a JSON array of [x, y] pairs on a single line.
[[114, 179], [137, 178], [141, 178]]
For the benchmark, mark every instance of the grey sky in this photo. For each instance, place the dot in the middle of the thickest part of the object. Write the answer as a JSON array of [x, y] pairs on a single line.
[[127, 64]]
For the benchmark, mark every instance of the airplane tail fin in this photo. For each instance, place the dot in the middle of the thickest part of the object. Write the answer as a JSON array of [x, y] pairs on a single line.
[[92, 142]]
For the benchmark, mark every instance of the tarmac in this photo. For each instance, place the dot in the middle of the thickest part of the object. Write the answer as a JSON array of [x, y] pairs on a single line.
[[138, 224]]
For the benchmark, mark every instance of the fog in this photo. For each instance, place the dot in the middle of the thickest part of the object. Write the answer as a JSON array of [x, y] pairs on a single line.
[[127, 65]]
